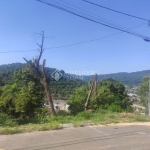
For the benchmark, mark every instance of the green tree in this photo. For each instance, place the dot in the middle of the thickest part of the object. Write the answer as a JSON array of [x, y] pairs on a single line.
[[143, 91], [31, 94], [114, 94], [77, 99], [7, 99], [28, 99], [23, 96]]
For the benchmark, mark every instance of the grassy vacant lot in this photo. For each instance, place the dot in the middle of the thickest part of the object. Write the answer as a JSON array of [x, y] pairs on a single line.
[[53, 122]]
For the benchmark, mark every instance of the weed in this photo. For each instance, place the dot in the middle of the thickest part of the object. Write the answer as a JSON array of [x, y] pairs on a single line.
[[53, 122]]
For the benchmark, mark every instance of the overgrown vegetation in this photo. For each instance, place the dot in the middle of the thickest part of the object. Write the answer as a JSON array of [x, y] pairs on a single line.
[[21, 98], [54, 122], [22, 104], [143, 91], [113, 97], [59, 89], [24, 93]]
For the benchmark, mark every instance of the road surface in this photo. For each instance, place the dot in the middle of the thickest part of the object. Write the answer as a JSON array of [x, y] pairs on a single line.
[[116, 137]]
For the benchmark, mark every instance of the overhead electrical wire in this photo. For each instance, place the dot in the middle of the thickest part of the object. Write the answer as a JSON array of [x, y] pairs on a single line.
[[116, 11], [90, 19], [96, 16], [89, 14], [17, 51], [92, 14], [70, 45], [75, 44]]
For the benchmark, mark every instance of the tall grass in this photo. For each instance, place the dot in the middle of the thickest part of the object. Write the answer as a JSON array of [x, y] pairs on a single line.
[[10, 126]]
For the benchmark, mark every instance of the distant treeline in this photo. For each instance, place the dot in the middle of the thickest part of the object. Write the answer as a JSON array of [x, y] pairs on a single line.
[[129, 79], [64, 87], [60, 89]]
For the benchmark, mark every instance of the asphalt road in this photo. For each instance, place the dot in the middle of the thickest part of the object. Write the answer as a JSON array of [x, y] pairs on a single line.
[[134, 137]]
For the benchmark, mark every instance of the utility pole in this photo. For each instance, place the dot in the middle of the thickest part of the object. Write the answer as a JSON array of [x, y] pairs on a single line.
[[149, 99]]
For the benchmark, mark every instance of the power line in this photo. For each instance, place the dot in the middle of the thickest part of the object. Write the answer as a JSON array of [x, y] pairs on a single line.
[[70, 45], [97, 16], [94, 15], [93, 40], [87, 13], [116, 11], [90, 19], [17, 51], [91, 15]]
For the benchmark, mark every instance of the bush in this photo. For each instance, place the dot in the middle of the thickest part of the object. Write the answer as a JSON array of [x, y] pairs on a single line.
[[41, 114], [103, 111], [115, 108], [85, 115], [130, 109], [5, 120], [62, 113]]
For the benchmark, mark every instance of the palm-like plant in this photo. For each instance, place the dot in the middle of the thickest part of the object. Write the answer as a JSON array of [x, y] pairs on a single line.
[[7, 98]]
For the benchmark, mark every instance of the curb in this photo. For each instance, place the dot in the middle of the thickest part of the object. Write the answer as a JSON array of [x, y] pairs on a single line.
[[71, 125]]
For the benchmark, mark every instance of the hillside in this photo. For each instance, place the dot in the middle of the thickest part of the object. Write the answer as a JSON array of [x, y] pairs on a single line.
[[60, 89], [130, 79]]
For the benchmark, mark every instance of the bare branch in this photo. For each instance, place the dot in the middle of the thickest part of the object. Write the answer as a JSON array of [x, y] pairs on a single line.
[[40, 74], [90, 92], [26, 60], [38, 45], [98, 96]]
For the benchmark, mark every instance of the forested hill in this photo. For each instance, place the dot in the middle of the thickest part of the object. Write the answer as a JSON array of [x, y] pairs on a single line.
[[60, 89], [11, 67], [130, 79]]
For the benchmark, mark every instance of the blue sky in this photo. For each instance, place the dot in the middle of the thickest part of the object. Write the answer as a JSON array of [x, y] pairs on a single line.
[[21, 19]]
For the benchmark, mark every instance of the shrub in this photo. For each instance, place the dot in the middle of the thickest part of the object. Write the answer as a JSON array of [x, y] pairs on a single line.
[[5, 120], [41, 114], [130, 109], [115, 108], [62, 113], [85, 115], [103, 111]]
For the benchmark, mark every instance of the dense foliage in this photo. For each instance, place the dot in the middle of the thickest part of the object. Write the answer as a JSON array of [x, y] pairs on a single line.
[[6, 72], [114, 98], [143, 91], [23, 96], [60, 89]]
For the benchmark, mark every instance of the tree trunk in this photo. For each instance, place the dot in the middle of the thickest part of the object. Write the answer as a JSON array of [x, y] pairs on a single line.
[[48, 97], [45, 83], [89, 95], [39, 72]]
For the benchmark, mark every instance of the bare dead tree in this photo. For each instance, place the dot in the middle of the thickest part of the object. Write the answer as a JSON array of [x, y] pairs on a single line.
[[93, 86], [89, 94], [38, 71]]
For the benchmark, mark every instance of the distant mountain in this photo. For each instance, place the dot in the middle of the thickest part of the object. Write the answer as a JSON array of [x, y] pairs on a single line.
[[60, 89], [130, 79], [12, 67]]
